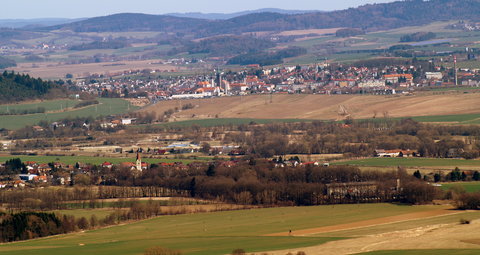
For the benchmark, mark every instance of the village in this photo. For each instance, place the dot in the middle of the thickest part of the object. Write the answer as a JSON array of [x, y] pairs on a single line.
[[310, 79]]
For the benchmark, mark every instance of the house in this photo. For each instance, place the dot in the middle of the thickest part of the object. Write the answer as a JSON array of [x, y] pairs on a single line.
[[434, 75], [18, 184], [38, 129], [399, 78], [311, 163], [128, 121], [107, 165], [395, 153]]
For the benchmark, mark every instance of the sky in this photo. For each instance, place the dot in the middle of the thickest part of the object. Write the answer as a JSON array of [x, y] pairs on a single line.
[[27, 9]]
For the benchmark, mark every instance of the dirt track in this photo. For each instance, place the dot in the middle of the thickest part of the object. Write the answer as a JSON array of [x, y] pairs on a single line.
[[368, 223]]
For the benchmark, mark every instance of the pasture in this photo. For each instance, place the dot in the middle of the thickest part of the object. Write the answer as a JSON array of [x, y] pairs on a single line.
[[50, 105], [107, 106], [213, 233], [411, 162], [467, 186]]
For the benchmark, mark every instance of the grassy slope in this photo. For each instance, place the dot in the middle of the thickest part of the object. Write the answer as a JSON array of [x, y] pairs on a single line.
[[468, 186], [107, 106], [53, 105], [408, 162], [211, 233]]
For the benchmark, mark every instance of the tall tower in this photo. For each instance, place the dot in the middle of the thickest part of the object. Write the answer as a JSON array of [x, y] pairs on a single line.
[[455, 67], [138, 163]]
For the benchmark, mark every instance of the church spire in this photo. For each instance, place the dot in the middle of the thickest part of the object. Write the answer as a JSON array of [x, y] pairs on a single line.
[[139, 161]]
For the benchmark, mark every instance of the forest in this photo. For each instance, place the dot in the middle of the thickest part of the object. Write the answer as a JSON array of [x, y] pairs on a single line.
[[19, 87], [6, 62], [227, 45], [267, 58]]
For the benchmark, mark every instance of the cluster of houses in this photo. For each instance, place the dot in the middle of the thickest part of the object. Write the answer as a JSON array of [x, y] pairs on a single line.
[[395, 153], [321, 79], [38, 173]]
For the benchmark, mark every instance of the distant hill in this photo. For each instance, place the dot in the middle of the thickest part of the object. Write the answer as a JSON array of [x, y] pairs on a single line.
[[6, 62], [29, 23], [223, 16], [370, 17], [125, 22]]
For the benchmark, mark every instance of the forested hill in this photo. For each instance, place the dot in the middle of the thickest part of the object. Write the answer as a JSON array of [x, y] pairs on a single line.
[[6, 62], [369, 17], [125, 22], [18, 87]]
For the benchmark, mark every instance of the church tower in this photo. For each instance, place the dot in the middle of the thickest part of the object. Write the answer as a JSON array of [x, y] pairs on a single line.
[[138, 163]]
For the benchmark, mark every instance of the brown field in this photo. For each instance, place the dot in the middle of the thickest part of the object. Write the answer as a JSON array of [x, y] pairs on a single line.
[[59, 70], [430, 236], [323, 107], [309, 31], [369, 223]]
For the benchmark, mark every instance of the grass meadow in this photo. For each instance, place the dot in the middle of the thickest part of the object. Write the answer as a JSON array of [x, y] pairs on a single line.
[[426, 252], [212, 233], [410, 162], [468, 186], [51, 105], [107, 106]]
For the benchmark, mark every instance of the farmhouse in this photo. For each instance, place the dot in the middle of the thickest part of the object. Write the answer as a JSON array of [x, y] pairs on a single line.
[[381, 153]]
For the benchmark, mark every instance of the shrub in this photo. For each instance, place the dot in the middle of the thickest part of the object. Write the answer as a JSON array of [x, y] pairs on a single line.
[[238, 252], [161, 251]]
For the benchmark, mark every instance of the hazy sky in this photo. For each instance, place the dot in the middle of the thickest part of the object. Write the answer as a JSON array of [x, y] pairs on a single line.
[[20, 9]]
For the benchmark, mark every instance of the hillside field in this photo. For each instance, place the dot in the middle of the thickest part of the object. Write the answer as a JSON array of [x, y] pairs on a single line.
[[216, 233], [50, 105], [107, 106], [326, 107], [468, 186], [411, 162]]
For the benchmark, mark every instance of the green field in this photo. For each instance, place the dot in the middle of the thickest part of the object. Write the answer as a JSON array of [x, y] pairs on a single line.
[[107, 106], [468, 186], [410, 162], [211, 233], [425, 252], [53, 105], [459, 118], [71, 160], [87, 213]]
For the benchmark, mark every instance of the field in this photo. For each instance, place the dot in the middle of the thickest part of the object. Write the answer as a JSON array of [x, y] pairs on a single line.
[[53, 105], [468, 186], [107, 106], [71, 160], [324, 107], [412, 162], [49, 70], [216, 233]]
